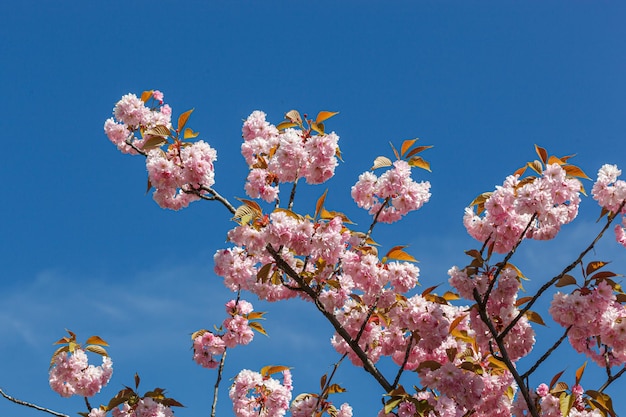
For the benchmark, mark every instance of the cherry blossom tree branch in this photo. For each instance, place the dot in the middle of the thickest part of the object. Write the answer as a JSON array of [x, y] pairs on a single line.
[[132, 145], [216, 388], [216, 196], [367, 363], [612, 379], [554, 280], [504, 356], [27, 404]]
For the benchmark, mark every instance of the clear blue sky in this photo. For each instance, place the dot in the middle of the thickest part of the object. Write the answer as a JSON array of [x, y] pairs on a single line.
[[84, 248]]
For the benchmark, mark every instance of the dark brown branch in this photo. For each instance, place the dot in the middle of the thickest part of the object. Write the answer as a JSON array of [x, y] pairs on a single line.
[[504, 356], [406, 359], [367, 363], [27, 404], [611, 379]]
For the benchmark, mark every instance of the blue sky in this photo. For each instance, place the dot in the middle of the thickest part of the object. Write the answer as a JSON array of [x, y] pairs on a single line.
[[84, 248]]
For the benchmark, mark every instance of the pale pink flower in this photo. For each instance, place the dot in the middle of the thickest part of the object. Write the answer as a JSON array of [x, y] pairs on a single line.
[[71, 374]]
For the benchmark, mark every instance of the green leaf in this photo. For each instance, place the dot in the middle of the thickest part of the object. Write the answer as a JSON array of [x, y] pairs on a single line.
[[566, 402]]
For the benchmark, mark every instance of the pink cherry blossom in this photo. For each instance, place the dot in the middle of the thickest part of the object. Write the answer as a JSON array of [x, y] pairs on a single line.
[[71, 374], [256, 395]]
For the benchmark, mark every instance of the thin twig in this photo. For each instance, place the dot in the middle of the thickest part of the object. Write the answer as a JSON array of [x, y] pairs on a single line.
[[404, 362], [217, 383], [612, 379], [27, 404], [216, 196], [369, 232], [547, 354]]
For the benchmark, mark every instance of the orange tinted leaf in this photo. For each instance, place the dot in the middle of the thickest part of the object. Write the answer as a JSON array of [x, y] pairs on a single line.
[[318, 127], [534, 317], [96, 340], [272, 369], [579, 372], [190, 134], [325, 115], [406, 145], [285, 125], [555, 378], [456, 322], [255, 315], [418, 161], [398, 254], [542, 153], [146, 95], [522, 301], [449, 296], [432, 365], [320, 203], [335, 388], [182, 120], [159, 130], [520, 171], [153, 143], [264, 272], [555, 160], [574, 171], [257, 326], [96, 349]]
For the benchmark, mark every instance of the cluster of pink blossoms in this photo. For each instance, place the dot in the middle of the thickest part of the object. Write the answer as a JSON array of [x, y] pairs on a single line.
[[611, 194], [394, 193], [207, 347], [277, 156], [553, 198], [501, 309], [256, 395], [180, 174], [72, 374], [550, 405], [305, 406], [597, 320], [131, 116], [145, 407]]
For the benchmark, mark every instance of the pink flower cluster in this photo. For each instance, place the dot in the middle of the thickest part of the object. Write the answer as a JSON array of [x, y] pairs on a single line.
[[131, 115], [72, 374], [256, 395], [597, 320], [553, 198], [207, 347], [284, 156], [394, 193], [551, 405], [145, 407], [611, 194], [181, 172], [305, 406], [500, 308]]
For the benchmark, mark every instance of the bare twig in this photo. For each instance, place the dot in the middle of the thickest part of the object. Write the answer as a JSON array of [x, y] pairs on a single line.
[[217, 383], [216, 196], [611, 379], [546, 354], [404, 362], [27, 404]]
